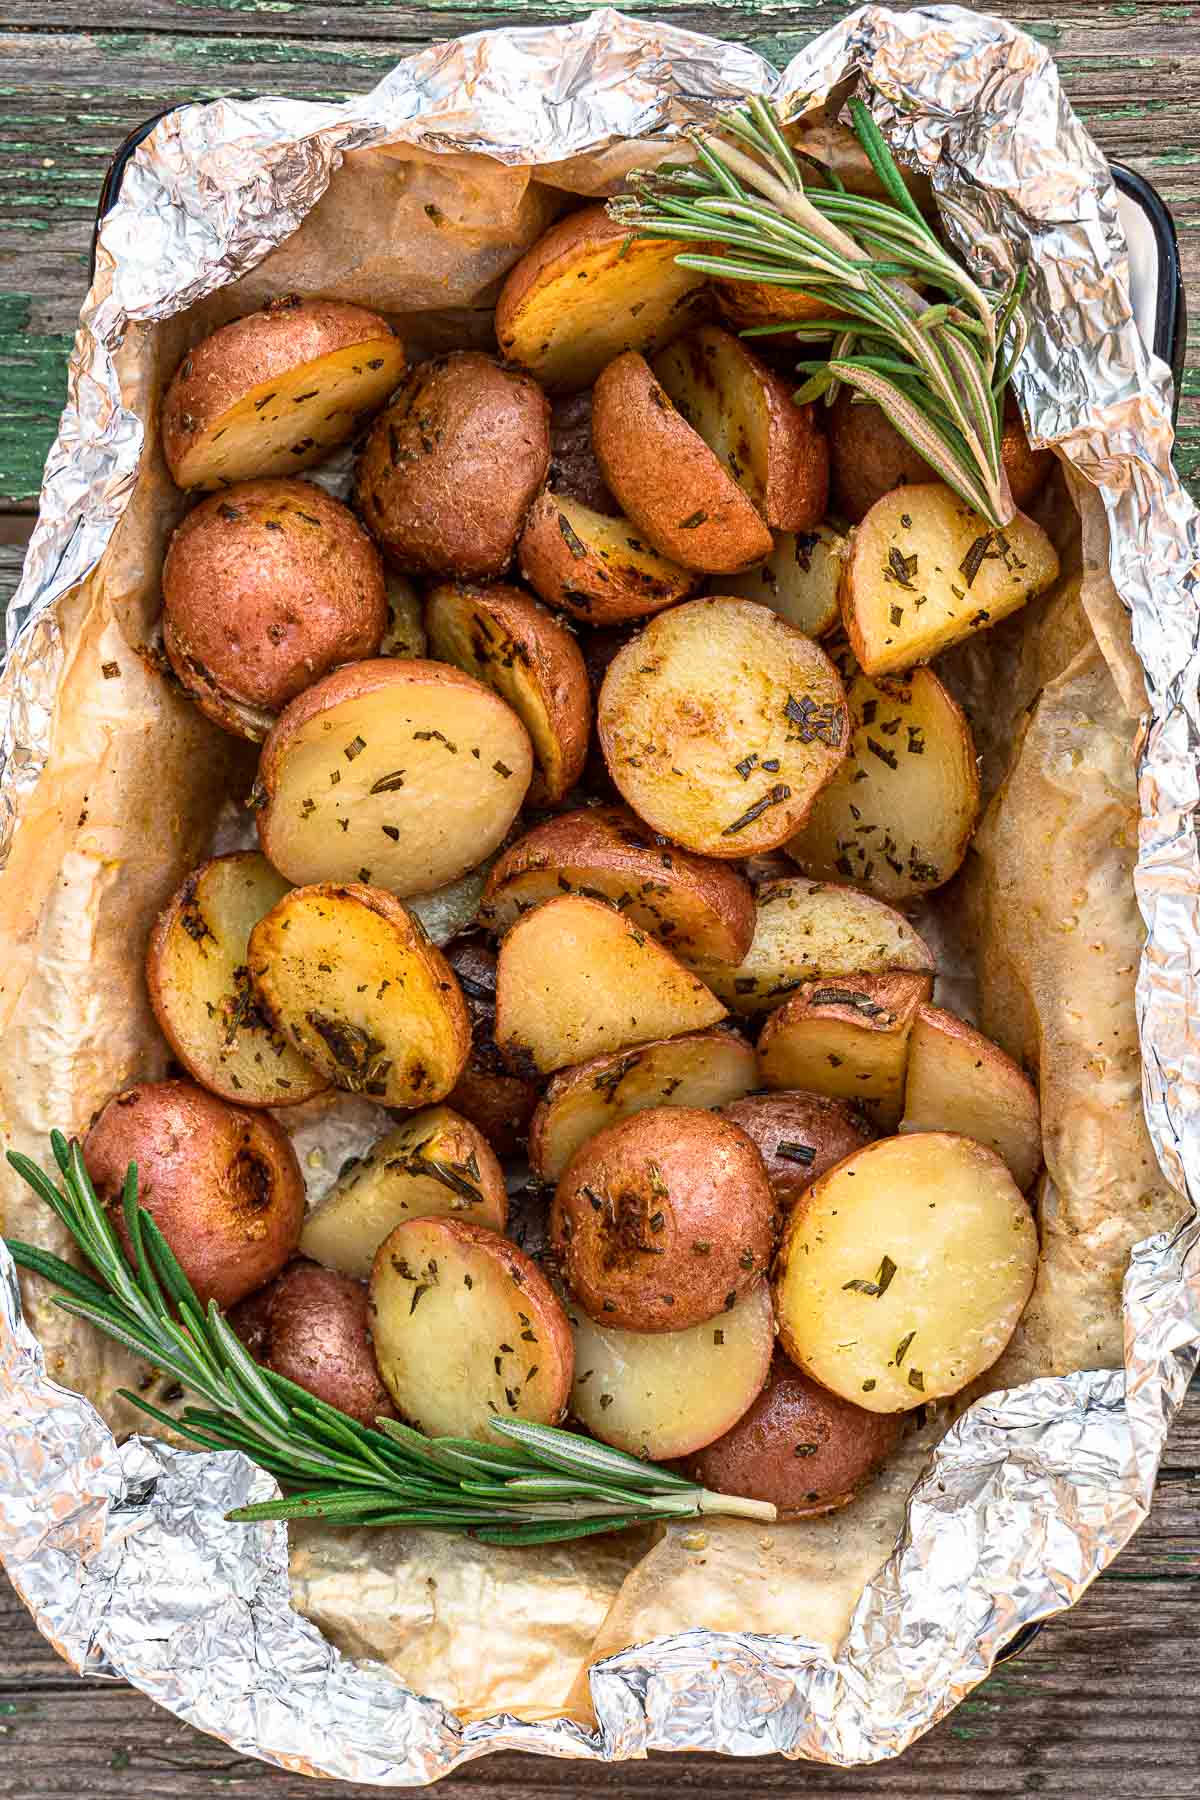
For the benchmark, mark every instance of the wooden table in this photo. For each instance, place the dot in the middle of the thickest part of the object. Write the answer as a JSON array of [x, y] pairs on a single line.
[[1108, 1699]]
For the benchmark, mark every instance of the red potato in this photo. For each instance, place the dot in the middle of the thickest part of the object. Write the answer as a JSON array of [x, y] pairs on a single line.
[[846, 1039], [958, 1080], [499, 1104], [310, 1326], [799, 1136]]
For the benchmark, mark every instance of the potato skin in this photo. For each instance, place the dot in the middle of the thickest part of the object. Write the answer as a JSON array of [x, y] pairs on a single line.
[[500, 1104], [452, 466], [799, 1446], [267, 587], [574, 470], [222, 1184], [311, 1326], [663, 1219], [783, 1125]]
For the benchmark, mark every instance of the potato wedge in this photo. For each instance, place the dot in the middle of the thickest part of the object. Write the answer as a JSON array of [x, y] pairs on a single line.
[[698, 908], [925, 571], [466, 1329], [678, 493], [898, 815], [575, 979], [958, 1080], [436, 1165], [403, 775], [349, 976], [805, 930], [500, 1104], [799, 1136], [200, 985], [507, 640], [404, 633], [847, 1040], [705, 1068], [799, 580], [720, 725], [903, 1275], [588, 290], [274, 392], [661, 1395], [595, 566], [574, 471], [744, 411]]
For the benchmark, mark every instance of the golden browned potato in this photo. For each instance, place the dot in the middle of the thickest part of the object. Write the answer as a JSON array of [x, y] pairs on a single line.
[[222, 1184], [500, 1104], [664, 1394], [466, 1328], [958, 1080], [799, 1136], [594, 565], [799, 580], [744, 411], [587, 290], [900, 812], [267, 587], [400, 774], [507, 640], [704, 1068], [720, 725], [902, 1276], [805, 929], [798, 1446], [748, 303], [200, 986], [349, 976], [664, 1219], [404, 633], [574, 979], [700, 909], [436, 1165], [452, 467], [310, 1326], [277, 390], [574, 471], [846, 1039], [925, 571], [681, 497]]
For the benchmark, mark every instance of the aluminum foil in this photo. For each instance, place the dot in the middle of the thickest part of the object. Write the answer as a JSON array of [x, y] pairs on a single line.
[[121, 1551]]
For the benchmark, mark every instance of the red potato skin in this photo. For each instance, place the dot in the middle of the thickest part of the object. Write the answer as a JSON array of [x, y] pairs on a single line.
[[574, 470], [499, 1104], [222, 1183], [828, 1128], [311, 1326]]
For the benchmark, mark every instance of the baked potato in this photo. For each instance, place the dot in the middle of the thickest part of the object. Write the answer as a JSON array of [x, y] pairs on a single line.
[[902, 1276], [451, 468], [500, 1104], [574, 471], [575, 979], [507, 640], [663, 1220], [276, 391], [267, 587], [846, 1039], [720, 725], [595, 566], [348, 975], [310, 1326], [700, 909], [221, 1183], [799, 1136], [200, 987], [958, 1080], [799, 580], [402, 774]]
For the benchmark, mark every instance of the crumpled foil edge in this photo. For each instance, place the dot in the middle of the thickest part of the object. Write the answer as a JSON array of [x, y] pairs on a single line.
[[121, 1551]]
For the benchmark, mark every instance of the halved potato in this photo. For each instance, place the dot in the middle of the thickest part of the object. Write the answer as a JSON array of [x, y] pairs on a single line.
[[349, 976], [274, 392], [435, 1165], [705, 1068], [904, 1273], [848, 1040], [678, 493], [799, 1136], [466, 1329], [500, 1104], [404, 634], [899, 814], [958, 1080], [744, 411], [661, 1395], [400, 774], [799, 580], [808, 929], [700, 909], [594, 565], [502, 637], [575, 979], [925, 571], [720, 725], [201, 992], [588, 290]]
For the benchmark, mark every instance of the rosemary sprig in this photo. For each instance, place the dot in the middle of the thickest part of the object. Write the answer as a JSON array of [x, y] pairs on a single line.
[[937, 368], [534, 1485]]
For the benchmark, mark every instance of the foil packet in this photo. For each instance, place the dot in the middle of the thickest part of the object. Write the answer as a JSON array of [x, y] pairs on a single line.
[[120, 1548]]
